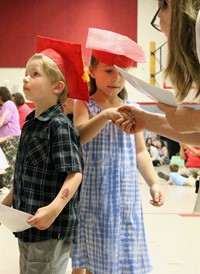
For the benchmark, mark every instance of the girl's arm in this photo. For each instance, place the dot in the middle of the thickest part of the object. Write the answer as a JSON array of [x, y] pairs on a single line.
[[45, 216], [88, 126], [146, 169]]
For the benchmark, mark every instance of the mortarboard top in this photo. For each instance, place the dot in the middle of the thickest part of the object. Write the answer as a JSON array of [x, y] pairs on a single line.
[[68, 57], [114, 49]]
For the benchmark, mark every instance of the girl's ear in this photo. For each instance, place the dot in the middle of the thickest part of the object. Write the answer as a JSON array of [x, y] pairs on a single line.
[[59, 87], [91, 71]]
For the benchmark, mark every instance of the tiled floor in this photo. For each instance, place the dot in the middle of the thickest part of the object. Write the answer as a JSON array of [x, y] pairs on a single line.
[[174, 238]]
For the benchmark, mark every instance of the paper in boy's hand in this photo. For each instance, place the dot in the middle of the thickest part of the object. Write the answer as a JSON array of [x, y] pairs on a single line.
[[14, 219], [198, 35], [155, 93]]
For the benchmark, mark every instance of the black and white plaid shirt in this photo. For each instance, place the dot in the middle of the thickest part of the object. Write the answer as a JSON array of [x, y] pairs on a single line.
[[49, 150]]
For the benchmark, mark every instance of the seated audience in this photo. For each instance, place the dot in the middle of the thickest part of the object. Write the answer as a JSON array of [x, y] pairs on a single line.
[[174, 178], [153, 152], [172, 146], [191, 155], [149, 134], [22, 107], [162, 151]]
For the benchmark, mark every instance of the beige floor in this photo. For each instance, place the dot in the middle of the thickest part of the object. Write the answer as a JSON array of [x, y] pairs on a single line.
[[174, 238]]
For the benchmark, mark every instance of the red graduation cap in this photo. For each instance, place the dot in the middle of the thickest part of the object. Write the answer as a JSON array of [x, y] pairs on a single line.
[[114, 49], [68, 57]]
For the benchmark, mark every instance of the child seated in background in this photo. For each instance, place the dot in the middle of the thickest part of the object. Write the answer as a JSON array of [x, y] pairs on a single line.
[[174, 178], [153, 151], [162, 152]]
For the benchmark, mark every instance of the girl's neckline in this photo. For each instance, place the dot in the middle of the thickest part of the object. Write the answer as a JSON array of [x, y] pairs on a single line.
[[106, 106]]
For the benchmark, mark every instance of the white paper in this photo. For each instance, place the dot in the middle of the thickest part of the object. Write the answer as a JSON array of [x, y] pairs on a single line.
[[3, 161], [14, 219], [197, 204], [155, 93], [198, 35]]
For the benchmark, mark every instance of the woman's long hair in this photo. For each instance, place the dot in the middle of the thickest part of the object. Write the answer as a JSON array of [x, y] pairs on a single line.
[[183, 67]]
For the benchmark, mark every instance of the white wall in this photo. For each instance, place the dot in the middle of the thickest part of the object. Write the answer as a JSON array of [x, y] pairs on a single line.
[[13, 77]]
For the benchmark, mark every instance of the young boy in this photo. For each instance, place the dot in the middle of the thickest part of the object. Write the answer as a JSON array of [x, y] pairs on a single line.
[[48, 168], [175, 178]]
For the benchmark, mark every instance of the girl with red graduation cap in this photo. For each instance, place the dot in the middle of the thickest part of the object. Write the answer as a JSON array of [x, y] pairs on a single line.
[[48, 167], [111, 237]]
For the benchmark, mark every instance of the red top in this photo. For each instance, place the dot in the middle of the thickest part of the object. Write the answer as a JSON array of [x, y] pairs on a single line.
[[24, 110], [192, 160]]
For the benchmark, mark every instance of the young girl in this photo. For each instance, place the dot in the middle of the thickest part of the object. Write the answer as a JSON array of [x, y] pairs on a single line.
[[111, 237]]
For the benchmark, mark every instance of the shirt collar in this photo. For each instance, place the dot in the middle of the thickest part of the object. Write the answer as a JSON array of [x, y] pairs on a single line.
[[47, 114]]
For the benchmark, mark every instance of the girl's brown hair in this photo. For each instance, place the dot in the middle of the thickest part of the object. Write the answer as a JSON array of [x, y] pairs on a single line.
[[183, 65]]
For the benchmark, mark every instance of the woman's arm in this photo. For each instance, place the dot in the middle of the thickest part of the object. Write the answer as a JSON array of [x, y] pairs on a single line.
[[6, 138], [182, 119], [182, 151], [3, 117], [193, 150], [159, 124]]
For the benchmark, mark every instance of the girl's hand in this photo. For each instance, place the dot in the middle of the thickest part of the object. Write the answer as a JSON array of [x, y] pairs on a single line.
[[137, 119], [43, 218], [157, 195], [114, 114]]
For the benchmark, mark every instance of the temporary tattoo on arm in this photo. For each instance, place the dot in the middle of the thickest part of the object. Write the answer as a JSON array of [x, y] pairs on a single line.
[[64, 193]]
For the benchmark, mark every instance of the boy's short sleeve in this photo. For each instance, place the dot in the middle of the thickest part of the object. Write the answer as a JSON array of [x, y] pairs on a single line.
[[66, 149]]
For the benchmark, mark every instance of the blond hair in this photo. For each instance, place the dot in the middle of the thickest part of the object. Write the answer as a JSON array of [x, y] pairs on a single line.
[[54, 73], [183, 65]]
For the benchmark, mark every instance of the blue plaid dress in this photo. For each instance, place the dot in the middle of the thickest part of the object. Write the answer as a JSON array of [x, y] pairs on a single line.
[[111, 237]]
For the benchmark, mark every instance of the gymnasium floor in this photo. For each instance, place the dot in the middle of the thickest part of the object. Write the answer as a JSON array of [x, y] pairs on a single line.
[[173, 234]]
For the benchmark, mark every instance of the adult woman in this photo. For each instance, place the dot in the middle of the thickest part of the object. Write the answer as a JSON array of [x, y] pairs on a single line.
[[9, 134], [191, 156], [178, 22], [153, 151], [162, 151], [22, 107]]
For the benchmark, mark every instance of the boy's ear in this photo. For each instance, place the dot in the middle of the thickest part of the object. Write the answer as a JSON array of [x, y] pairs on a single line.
[[59, 87]]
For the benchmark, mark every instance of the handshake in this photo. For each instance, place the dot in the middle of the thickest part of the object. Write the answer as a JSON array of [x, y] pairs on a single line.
[[128, 118]]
